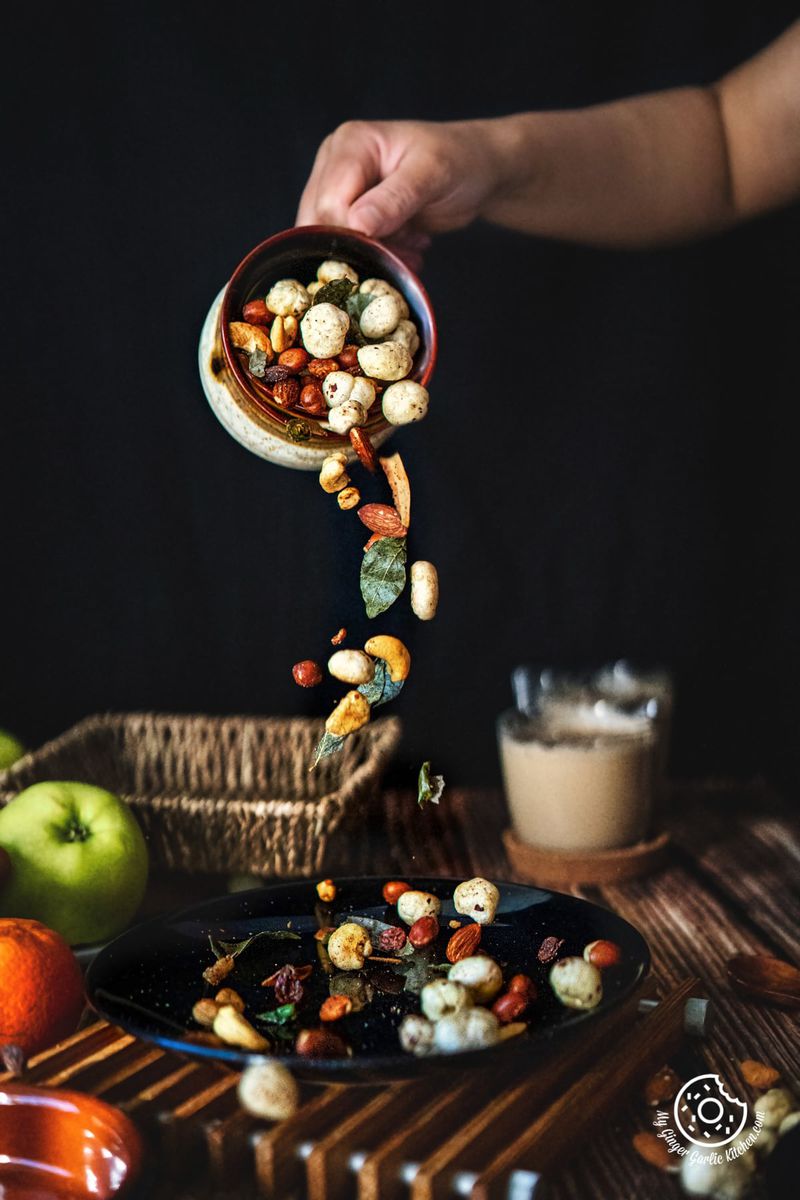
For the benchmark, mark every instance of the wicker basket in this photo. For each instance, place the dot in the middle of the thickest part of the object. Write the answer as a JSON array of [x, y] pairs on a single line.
[[221, 794]]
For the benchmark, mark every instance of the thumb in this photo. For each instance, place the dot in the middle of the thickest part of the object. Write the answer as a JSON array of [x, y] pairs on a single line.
[[392, 203]]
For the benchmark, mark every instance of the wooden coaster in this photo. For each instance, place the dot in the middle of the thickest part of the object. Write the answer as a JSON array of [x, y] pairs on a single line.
[[560, 869]]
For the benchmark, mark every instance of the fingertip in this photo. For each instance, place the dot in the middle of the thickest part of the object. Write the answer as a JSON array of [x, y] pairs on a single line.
[[365, 219]]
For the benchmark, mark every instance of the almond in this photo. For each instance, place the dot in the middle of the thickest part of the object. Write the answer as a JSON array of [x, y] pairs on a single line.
[[382, 519], [758, 1074], [463, 943], [360, 441]]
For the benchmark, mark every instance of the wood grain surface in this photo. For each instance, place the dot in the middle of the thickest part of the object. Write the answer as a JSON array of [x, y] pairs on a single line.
[[729, 886]]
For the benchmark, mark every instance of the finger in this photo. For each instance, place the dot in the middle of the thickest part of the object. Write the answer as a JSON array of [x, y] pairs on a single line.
[[393, 202]]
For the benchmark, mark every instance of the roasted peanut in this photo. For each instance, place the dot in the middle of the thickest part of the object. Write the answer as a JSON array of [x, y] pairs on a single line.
[[424, 931], [320, 1043], [335, 1007], [348, 359], [255, 312], [509, 1007], [312, 400], [229, 996], [283, 333], [349, 497], [349, 715], [602, 954], [204, 1012], [294, 360], [393, 890], [525, 986]]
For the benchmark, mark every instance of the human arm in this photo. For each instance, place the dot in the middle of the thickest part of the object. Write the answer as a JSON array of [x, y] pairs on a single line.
[[646, 170]]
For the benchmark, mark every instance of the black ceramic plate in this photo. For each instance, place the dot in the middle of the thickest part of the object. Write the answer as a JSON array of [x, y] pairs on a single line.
[[149, 978]]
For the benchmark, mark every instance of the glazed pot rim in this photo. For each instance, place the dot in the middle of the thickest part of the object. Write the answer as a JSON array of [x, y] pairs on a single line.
[[383, 257]]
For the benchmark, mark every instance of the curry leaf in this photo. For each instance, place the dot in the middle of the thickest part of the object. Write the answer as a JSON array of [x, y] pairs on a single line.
[[383, 574], [336, 292], [381, 688], [430, 787], [222, 949], [329, 744], [278, 1016], [257, 363]]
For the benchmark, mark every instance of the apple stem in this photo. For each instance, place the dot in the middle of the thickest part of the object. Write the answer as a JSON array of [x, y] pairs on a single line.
[[76, 832]]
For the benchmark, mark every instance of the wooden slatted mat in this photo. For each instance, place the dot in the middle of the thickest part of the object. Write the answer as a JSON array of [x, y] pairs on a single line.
[[429, 1139]]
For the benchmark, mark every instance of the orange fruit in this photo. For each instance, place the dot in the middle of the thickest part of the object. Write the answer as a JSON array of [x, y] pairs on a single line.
[[41, 986]]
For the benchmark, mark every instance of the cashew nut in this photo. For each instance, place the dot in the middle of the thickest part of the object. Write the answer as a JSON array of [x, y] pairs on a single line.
[[349, 946], [346, 416], [443, 997], [424, 590], [269, 1091], [380, 317], [477, 898], [384, 360], [382, 287], [288, 298], [324, 329], [470, 1029], [480, 974], [333, 474], [405, 402], [236, 1030], [336, 387], [351, 666], [333, 269], [412, 905], [394, 654], [576, 983], [250, 338], [349, 715]]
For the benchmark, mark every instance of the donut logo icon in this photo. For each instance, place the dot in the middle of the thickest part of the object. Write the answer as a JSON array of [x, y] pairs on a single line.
[[707, 1114]]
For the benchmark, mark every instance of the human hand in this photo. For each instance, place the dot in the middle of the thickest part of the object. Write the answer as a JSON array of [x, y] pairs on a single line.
[[401, 180]]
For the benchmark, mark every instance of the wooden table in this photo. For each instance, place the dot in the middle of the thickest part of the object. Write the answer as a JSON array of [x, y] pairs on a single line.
[[729, 886]]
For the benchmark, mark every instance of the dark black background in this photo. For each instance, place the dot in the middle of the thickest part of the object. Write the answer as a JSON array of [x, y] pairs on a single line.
[[608, 467]]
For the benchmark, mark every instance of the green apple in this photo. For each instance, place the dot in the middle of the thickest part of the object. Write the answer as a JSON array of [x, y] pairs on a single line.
[[78, 860], [10, 749]]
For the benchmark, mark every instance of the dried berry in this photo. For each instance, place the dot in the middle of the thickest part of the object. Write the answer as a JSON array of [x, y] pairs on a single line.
[[548, 951], [288, 984], [391, 940], [273, 375]]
